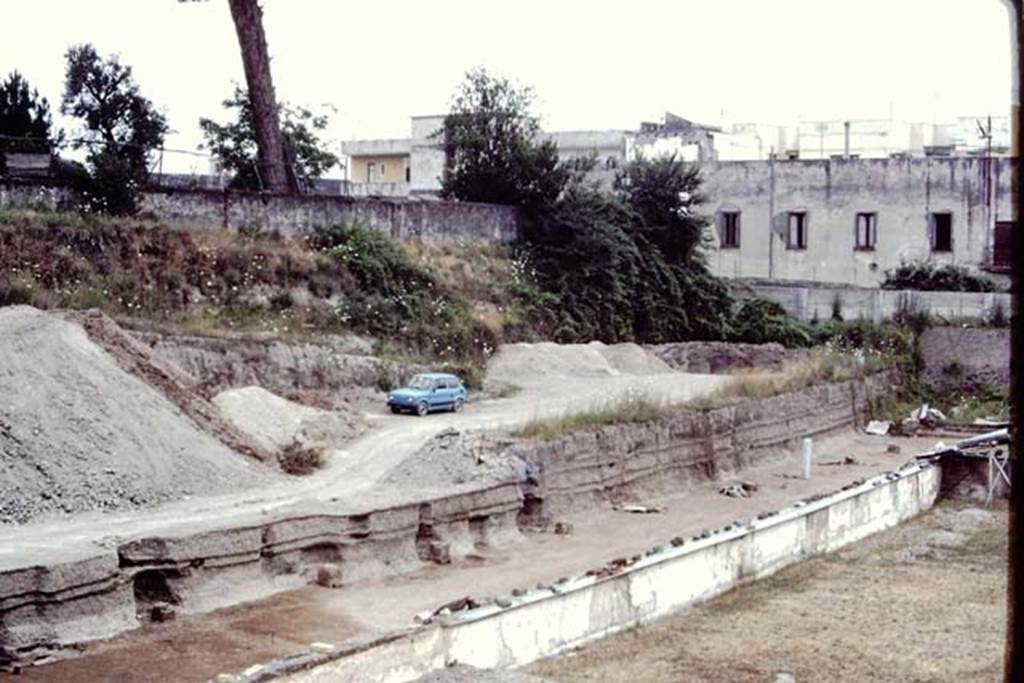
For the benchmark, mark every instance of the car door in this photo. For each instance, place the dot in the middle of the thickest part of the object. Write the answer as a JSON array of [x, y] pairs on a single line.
[[439, 394]]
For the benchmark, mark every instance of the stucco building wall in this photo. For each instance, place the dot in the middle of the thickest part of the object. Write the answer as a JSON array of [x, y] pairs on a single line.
[[902, 193]]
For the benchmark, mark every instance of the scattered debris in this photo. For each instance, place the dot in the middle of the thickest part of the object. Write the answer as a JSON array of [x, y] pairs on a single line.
[[638, 509], [741, 490], [878, 427], [162, 611], [321, 647], [328, 575], [848, 460], [563, 528], [460, 605], [892, 448]]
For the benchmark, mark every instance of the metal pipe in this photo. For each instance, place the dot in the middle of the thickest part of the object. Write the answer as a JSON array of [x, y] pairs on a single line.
[[1013, 659]]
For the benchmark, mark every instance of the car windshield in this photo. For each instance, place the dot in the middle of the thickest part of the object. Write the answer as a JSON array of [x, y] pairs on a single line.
[[421, 382]]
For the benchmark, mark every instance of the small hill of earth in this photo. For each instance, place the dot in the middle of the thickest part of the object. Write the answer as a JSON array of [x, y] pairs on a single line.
[[78, 432]]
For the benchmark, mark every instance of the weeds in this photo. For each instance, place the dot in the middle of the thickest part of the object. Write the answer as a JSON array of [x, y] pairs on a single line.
[[628, 409], [298, 460], [822, 365]]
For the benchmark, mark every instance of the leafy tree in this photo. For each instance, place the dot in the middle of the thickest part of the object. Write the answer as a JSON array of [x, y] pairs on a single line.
[[493, 151], [122, 128], [665, 193], [611, 283], [25, 123], [235, 147]]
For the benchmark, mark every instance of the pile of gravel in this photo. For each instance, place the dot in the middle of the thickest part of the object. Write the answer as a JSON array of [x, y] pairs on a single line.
[[453, 458], [274, 422], [522, 364], [717, 358], [78, 432]]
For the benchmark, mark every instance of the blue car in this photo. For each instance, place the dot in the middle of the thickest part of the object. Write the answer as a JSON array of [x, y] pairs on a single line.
[[427, 392]]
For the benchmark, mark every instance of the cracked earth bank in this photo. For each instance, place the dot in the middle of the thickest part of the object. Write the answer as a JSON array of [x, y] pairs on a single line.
[[386, 503]]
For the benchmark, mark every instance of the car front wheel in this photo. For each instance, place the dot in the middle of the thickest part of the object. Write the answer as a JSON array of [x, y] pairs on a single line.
[[422, 409], [458, 406]]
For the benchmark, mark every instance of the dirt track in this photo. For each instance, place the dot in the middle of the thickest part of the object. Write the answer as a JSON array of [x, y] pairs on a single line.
[[351, 472], [234, 638]]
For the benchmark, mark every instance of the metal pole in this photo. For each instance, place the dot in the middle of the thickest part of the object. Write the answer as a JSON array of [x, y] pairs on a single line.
[[1013, 662], [771, 211], [807, 457]]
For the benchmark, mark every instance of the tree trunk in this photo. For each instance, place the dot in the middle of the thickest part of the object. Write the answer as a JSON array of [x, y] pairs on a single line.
[[248, 18]]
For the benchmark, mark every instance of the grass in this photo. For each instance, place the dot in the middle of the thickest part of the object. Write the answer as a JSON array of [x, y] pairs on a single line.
[[216, 283], [821, 366], [627, 409]]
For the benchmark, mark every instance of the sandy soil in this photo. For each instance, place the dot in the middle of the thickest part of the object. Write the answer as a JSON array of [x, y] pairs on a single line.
[[351, 473], [274, 422], [78, 432], [290, 621], [922, 602]]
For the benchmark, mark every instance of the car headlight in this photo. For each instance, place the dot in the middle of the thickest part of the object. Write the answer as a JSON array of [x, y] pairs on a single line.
[[390, 397]]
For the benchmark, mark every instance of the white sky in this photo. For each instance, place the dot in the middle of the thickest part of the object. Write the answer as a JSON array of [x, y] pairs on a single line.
[[593, 64]]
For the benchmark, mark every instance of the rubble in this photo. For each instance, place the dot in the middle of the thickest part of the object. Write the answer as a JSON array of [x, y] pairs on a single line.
[[741, 490], [878, 427], [638, 509]]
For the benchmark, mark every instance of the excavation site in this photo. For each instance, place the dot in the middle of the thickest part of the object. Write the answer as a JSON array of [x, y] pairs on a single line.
[[183, 500]]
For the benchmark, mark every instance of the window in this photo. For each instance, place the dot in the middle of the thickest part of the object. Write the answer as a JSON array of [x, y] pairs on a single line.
[[369, 172], [796, 235], [729, 230], [1001, 243], [867, 231], [942, 231], [611, 163], [382, 174], [408, 174]]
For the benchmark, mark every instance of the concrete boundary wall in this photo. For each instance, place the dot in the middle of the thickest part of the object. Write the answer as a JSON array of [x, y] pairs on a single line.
[[205, 209], [669, 578], [876, 305]]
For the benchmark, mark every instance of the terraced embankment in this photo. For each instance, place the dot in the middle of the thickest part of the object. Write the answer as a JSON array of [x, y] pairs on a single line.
[[220, 555]]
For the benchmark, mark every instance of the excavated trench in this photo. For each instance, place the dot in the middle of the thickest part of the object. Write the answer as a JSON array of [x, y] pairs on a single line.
[[51, 610]]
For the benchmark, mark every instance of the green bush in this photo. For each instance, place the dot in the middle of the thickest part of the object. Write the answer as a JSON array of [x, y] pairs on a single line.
[[928, 276], [397, 298], [609, 282], [759, 321]]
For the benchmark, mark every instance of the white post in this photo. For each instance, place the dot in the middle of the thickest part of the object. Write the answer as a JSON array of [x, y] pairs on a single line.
[[808, 455]]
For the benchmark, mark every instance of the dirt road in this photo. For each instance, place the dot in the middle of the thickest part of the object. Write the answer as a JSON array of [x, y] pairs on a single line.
[[199, 647], [350, 473]]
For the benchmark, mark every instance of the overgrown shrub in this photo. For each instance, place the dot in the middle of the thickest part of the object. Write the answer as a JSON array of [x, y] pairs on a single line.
[[396, 297], [759, 321], [298, 460], [610, 283], [928, 276]]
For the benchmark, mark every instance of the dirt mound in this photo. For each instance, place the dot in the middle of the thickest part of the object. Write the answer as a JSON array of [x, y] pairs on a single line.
[[180, 388], [631, 359], [525, 364], [78, 432], [274, 422], [453, 458], [723, 357]]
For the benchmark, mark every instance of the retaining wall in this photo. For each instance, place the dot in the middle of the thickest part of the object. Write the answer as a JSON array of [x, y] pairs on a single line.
[[876, 305], [669, 578], [47, 608], [965, 358], [199, 209]]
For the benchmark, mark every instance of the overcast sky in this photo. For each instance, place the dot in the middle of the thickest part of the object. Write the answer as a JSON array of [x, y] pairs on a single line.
[[592, 64]]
